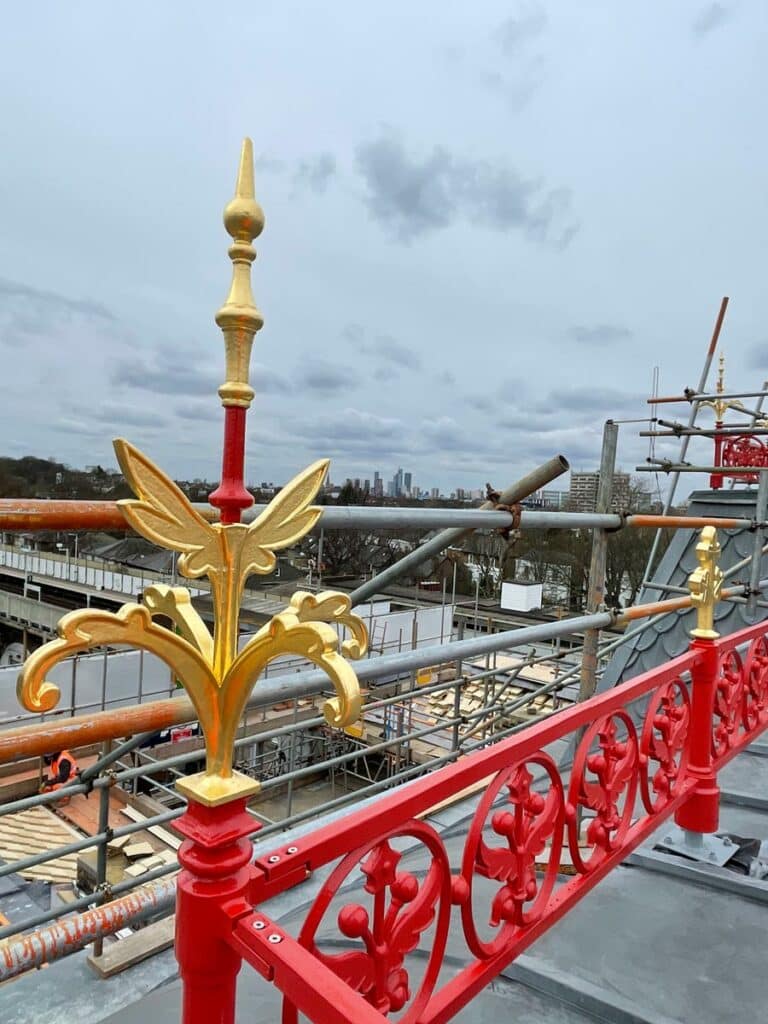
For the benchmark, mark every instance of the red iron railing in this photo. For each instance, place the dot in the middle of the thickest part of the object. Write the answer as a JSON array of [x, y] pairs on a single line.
[[645, 751]]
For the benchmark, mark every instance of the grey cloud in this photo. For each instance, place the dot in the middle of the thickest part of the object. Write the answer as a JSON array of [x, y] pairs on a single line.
[[353, 432], [711, 17], [591, 401], [600, 334], [353, 333], [385, 373], [515, 31], [757, 356], [515, 91], [165, 374], [325, 377], [316, 172], [268, 164], [130, 416], [313, 172], [411, 197], [445, 434], [41, 300], [266, 382], [392, 351], [206, 411], [527, 421], [446, 377], [164, 379], [68, 426], [482, 403], [30, 314]]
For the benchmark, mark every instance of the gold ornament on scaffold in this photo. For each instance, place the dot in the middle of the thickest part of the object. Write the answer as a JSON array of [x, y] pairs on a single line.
[[216, 675], [706, 583]]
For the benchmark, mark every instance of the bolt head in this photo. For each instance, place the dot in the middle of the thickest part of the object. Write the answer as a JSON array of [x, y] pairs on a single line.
[[274, 939], [292, 849], [273, 859], [259, 925]]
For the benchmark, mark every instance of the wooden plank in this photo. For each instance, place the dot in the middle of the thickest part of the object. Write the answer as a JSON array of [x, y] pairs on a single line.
[[136, 850], [159, 833], [134, 870], [124, 953]]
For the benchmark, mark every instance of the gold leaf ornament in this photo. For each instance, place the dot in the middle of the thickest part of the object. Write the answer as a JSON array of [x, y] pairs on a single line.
[[216, 677]]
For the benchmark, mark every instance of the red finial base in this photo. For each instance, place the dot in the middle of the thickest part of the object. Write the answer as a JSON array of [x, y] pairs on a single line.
[[216, 877], [231, 497]]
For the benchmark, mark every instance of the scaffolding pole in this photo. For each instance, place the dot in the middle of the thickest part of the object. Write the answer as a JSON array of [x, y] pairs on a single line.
[[691, 421], [597, 565]]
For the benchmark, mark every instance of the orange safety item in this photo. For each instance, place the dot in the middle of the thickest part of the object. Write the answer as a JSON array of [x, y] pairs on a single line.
[[63, 755]]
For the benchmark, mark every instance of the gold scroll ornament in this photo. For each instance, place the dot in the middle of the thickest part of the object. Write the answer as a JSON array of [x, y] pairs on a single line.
[[217, 677], [706, 584]]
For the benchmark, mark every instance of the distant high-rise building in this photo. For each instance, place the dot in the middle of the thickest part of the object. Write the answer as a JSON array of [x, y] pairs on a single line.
[[367, 486], [357, 483], [435, 492], [582, 496], [398, 483], [407, 483]]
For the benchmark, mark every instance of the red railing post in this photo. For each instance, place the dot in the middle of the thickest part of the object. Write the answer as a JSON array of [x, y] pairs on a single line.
[[701, 811], [214, 880]]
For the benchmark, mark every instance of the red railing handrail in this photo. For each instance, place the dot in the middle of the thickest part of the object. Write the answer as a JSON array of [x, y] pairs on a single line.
[[417, 797]]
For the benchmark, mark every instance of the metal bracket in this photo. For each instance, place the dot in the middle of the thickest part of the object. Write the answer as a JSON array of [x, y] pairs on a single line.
[[709, 849]]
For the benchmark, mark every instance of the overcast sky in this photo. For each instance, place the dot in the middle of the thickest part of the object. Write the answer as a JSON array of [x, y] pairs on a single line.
[[486, 223]]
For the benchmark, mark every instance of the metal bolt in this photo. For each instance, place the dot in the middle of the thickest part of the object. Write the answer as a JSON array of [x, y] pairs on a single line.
[[712, 856], [258, 925], [667, 840], [273, 859], [292, 849], [273, 938], [727, 841]]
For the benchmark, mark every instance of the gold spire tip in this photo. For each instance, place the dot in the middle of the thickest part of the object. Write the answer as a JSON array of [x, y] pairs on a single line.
[[239, 318], [243, 217]]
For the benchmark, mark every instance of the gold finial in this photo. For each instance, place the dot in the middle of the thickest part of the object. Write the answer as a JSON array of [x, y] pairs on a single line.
[[718, 404], [217, 676], [239, 318], [706, 583]]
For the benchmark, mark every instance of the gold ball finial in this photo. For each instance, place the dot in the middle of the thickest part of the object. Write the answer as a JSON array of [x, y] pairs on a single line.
[[243, 217]]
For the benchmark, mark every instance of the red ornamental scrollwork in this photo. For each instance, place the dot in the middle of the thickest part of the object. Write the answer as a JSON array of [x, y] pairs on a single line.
[[755, 685], [728, 702], [526, 824], [664, 743], [604, 782], [403, 909], [744, 450]]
